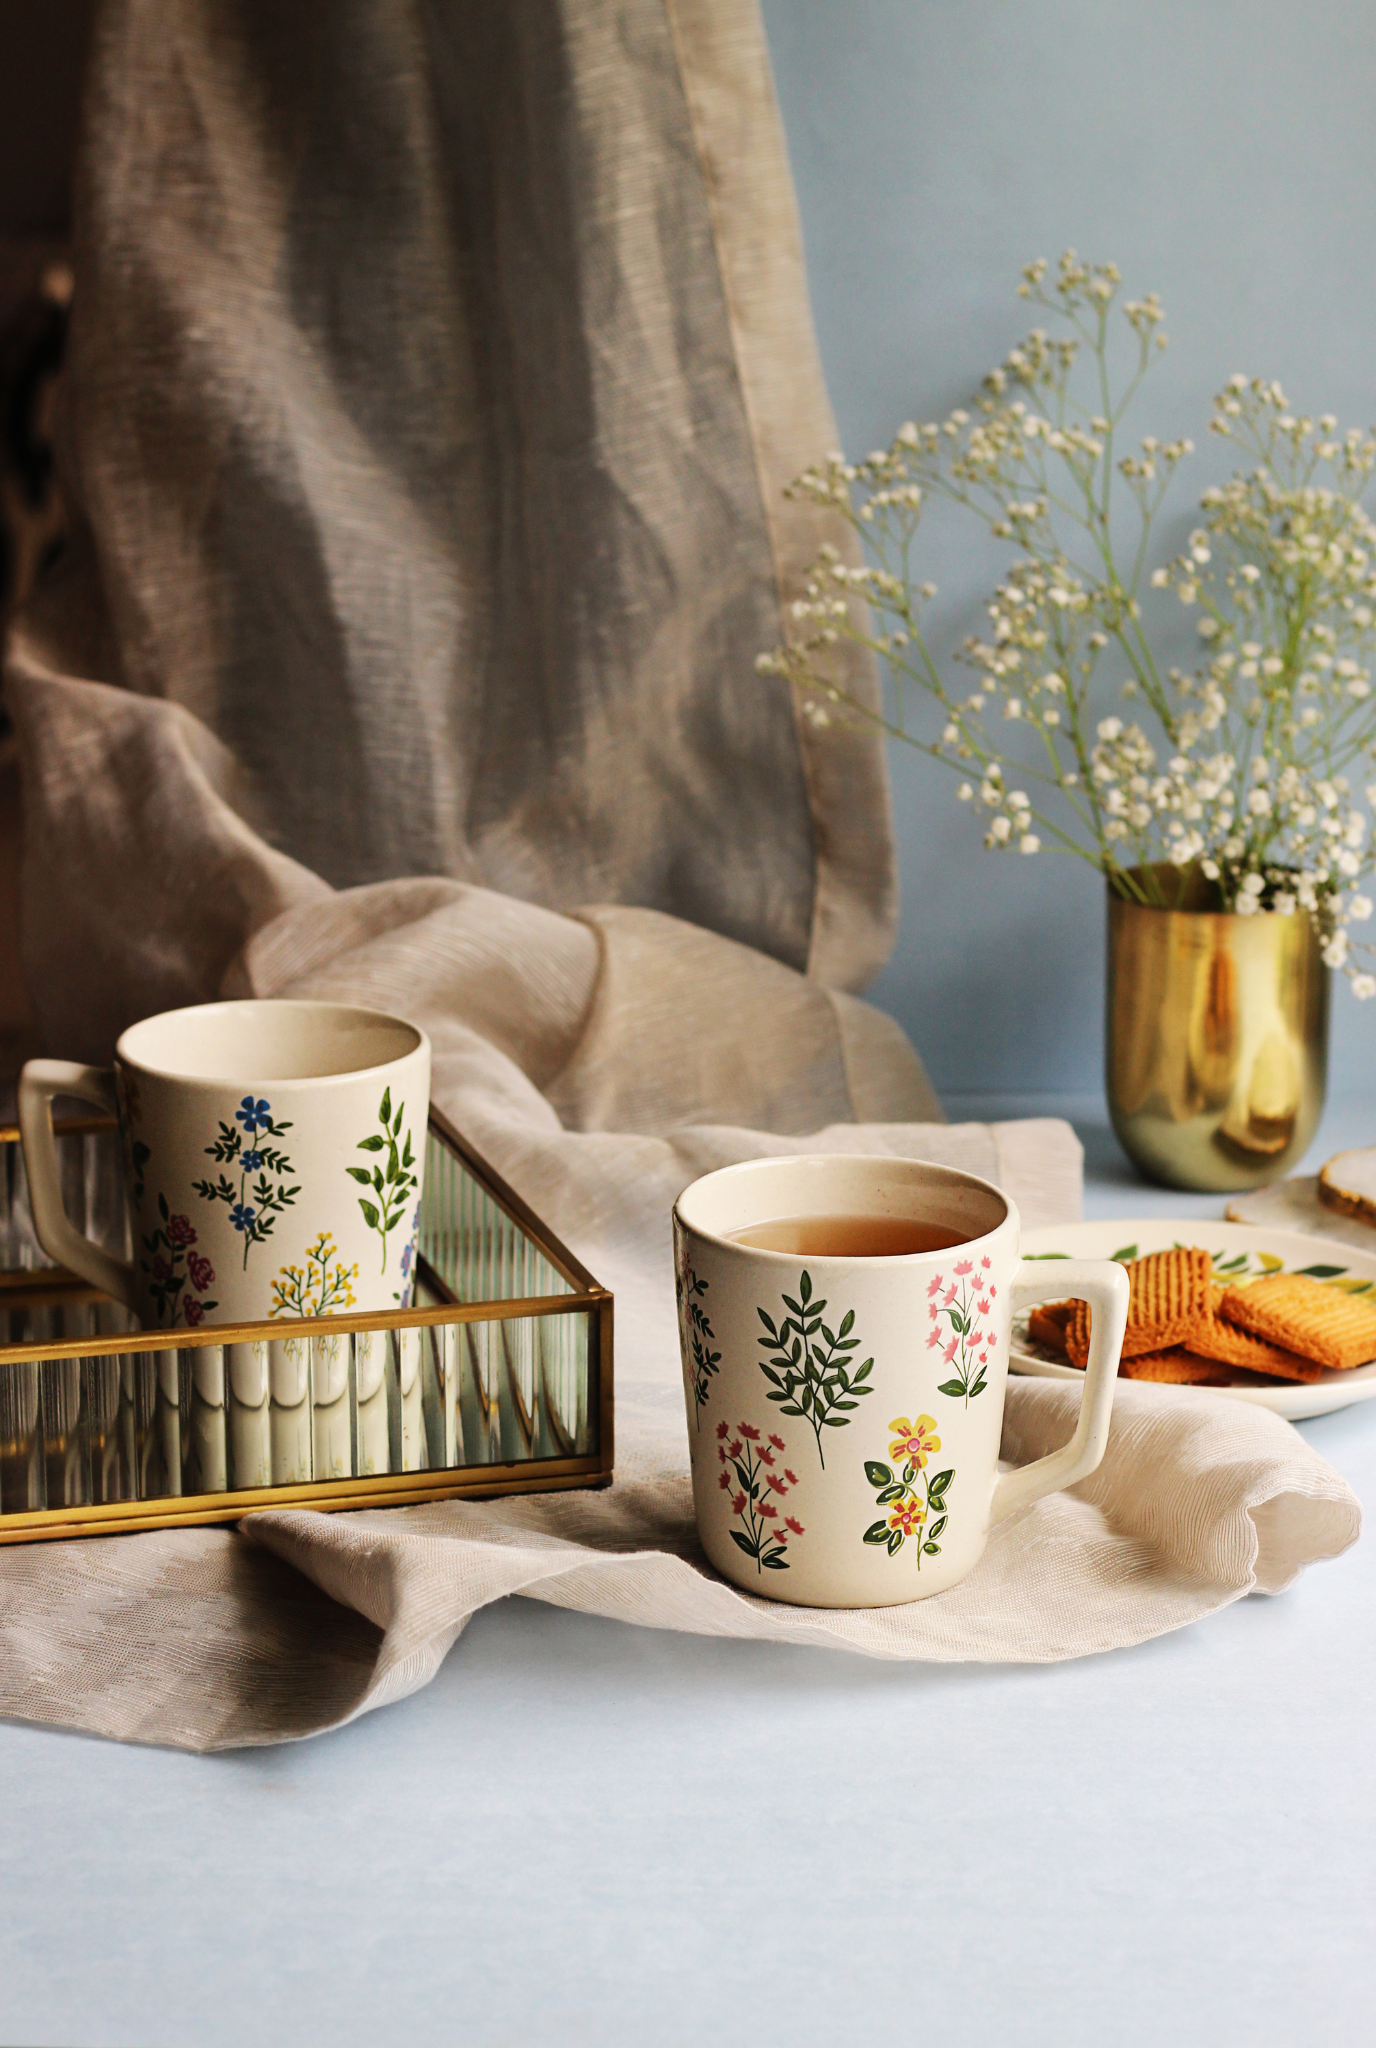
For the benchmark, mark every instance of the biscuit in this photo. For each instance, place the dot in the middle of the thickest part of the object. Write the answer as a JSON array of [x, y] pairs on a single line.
[[1046, 1324], [1176, 1368], [1170, 1297], [1231, 1345], [1333, 1329]]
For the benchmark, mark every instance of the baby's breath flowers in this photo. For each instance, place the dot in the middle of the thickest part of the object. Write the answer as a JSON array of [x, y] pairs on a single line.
[[1246, 774]]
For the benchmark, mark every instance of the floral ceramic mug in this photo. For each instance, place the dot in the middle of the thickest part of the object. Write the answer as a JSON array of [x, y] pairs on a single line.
[[274, 1155], [845, 1411]]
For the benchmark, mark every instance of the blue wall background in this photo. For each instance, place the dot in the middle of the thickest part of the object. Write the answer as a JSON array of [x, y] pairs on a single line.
[[1224, 156]]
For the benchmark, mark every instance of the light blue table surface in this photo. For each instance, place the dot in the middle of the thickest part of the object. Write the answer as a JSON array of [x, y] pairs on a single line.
[[583, 1832]]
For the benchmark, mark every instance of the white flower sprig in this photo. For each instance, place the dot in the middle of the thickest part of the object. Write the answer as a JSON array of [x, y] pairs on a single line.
[[1248, 777]]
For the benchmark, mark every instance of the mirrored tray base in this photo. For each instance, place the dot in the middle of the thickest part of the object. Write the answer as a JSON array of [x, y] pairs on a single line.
[[498, 1379]]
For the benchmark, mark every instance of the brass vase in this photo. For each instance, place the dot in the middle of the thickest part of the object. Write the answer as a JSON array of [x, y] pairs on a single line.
[[1216, 1055]]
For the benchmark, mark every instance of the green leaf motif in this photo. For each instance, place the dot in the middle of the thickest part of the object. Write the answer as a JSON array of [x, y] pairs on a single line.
[[878, 1532], [878, 1474]]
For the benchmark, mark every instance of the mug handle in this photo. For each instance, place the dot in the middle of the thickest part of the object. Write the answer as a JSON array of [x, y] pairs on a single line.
[[1104, 1285], [38, 1083]]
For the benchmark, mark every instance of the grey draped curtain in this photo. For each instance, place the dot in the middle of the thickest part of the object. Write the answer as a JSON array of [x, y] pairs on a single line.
[[436, 368]]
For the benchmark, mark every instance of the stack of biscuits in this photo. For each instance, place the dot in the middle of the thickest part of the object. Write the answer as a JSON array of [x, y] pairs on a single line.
[[1185, 1328]]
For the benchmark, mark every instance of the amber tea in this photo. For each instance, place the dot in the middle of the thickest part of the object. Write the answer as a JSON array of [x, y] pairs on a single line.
[[848, 1237]]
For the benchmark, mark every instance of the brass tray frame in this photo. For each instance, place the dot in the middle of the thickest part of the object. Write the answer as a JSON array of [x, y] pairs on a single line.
[[48, 1286]]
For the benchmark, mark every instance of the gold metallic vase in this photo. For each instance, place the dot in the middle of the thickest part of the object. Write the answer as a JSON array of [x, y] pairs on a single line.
[[1216, 1057]]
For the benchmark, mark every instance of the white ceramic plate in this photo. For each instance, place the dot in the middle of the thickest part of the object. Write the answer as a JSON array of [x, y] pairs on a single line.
[[1240, 1251]]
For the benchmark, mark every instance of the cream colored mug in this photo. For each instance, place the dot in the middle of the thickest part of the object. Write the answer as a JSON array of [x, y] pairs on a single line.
[[274, 1157], [844, 1411]]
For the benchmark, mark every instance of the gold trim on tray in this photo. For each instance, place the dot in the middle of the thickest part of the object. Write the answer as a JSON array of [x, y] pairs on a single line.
[[515, 1420]]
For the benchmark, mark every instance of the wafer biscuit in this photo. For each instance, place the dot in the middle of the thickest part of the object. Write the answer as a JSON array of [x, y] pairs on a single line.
[[1230, 1345], [1170, 1297], [1321, 1323], [1176, 1368], [1046, 1324]]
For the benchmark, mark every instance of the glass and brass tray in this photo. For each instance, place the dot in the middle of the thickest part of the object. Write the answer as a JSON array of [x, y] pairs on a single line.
[[497, 1380]]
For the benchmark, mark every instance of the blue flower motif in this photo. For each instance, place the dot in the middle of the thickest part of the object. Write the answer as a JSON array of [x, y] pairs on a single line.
[[251, 1161], [406, 1259], [254, 1116], [242, 1215]]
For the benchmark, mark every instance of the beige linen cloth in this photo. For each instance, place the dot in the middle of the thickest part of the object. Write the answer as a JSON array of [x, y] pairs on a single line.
[[600, 1062], [435, 370]]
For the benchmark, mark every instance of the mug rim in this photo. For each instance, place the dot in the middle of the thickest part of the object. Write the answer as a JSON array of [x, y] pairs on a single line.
[[862, 1260], [359, 1013]]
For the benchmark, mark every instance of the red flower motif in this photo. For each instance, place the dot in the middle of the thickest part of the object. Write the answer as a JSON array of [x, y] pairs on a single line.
[[738, 1504], [193, 1311], [950, 1297], [982, 1308], [983, 1357], [986, 1263], [721, 1430], [776, 1484], [949, 1353], [777, 1442], [992, 1292], [963, 1268], [724, 1481], [721, 1452], [179, 1230], [933, 1339], [201, 1271], [768, 1509], [766, 1456], [934, 1284], [795, 1526], [734, 1447], [752, 1436], [791, 1477]]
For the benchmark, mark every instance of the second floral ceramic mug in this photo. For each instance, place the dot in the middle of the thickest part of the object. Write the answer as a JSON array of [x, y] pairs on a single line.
[[845, 1398], [274, 1156]]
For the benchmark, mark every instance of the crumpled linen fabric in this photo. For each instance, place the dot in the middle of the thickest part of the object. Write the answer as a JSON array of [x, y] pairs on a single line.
[[436, 369], [600, 1062]]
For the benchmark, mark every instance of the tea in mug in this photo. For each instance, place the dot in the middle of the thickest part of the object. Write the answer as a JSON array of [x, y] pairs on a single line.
[[848, 1237]]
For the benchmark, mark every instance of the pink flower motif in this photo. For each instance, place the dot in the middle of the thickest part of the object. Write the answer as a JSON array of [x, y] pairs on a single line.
[[193, 1312], [963, 1268], [992, 1292], [721, 1430], [752, 1436], [982, 1308], [179, 1230], [933, 1339], [983, 1357], [201, 1271], [777, 1442], [949, 1353], [950, 1297], [795, 1526], [986, 1263], [934, 1284], [738, 1504], [791, 1477]]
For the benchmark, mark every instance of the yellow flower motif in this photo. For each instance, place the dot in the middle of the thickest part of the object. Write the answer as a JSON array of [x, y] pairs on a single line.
[[915, 1441], [908, 1515]]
